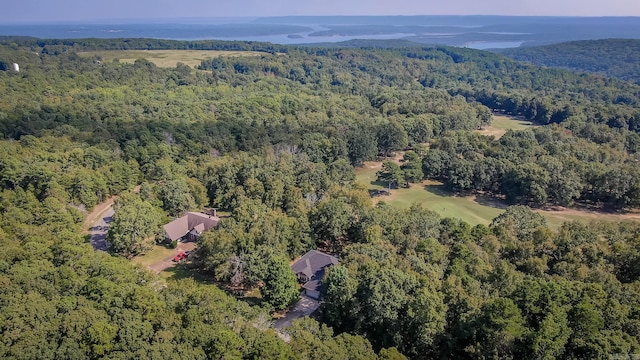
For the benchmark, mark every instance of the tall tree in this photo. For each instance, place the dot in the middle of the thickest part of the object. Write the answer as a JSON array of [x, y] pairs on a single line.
[[497, 330], [134, 227], [362, 145], [176, 196], [412, 167], [391, 174], [391, 137], [280, 287], [339, 290]]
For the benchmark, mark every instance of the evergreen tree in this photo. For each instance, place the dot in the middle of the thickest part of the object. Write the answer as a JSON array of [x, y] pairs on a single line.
[[280, 287], [391, 174]]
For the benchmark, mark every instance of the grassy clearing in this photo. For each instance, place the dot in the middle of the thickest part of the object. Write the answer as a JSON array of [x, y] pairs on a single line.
[[510, 123], [181, 272], [157, 254], [471, 209], [501, 123], [432, 196], [166, 58], [555, 218]]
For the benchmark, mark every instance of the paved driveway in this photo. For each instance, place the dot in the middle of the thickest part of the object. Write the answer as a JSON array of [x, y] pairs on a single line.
[[305, 307], [99, 230]]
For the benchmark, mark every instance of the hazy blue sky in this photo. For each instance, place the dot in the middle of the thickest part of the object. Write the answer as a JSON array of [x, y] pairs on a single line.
[[88, 10]]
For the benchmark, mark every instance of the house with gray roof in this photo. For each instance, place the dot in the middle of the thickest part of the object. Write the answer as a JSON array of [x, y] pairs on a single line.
[[310, 270], [190, 226]]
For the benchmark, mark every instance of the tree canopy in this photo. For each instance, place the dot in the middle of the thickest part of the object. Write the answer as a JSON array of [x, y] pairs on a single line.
[[272, 140]]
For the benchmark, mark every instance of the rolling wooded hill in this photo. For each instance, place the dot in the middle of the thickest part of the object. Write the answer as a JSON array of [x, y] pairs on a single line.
[[273, 139], [618, 58]]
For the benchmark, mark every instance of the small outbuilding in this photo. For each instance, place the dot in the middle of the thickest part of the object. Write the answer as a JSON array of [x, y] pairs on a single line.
[[310, 270]]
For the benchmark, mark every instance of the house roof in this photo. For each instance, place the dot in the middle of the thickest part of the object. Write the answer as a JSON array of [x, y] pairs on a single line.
[[314, 285], [199, 228], [176, 229], [191, 220], [313, 264]]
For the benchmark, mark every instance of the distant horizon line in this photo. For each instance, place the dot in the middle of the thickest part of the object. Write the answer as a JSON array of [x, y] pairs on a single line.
[[172, 20]]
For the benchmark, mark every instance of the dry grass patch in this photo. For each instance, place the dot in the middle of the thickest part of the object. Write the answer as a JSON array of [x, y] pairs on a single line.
[[501, 123], [558, 215], [166, 58]]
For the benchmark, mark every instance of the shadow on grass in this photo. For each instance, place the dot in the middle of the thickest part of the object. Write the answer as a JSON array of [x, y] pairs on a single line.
[[180, 271], [378, 192], [484, 199], [491, 200], [438, 189]]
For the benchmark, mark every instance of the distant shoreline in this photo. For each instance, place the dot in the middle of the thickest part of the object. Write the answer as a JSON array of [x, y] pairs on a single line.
[[475, 31]]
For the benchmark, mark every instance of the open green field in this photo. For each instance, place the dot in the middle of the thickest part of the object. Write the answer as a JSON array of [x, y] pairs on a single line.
[[432, 196], [157, 254], [510, 123], [166, 58], [501, 123], [471, 209]]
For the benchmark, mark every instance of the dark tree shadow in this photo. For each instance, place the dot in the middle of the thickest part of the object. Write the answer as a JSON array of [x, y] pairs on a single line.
[[379, 192], [438, 189], [182, 271], [485, 199], [491, 200]]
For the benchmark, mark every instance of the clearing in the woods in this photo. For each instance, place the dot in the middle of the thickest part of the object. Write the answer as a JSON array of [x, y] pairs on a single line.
[[501, 123], [475, 209], [166, 58]]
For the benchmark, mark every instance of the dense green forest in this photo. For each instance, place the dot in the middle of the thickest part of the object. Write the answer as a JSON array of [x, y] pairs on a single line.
[[618, 58], [273, 140]]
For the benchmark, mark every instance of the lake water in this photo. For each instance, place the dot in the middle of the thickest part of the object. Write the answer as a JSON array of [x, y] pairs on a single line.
[[479, 32], [305, 39], [484, 45]]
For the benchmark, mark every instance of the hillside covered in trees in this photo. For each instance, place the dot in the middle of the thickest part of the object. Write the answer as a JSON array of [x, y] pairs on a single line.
[[273, 140], [618, 58]]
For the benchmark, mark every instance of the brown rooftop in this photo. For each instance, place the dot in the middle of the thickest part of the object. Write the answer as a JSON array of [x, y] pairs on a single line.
[[181, 226]]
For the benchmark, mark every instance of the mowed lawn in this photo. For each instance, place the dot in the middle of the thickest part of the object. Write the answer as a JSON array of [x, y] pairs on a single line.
[[501, 123], [432, 196], [166, 58], [510, 123], [472, 209], [157, 254]]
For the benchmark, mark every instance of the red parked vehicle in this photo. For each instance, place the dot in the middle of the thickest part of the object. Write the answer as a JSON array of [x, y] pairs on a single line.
[[180, 257]]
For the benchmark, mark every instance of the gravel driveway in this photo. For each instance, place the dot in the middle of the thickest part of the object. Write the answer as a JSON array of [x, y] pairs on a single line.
[[99, 230], [305, 307]]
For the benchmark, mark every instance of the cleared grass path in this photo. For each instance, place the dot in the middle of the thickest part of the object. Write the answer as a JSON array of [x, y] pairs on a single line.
[[477, 209], [501, 123], [166, 58], [431, 195]]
